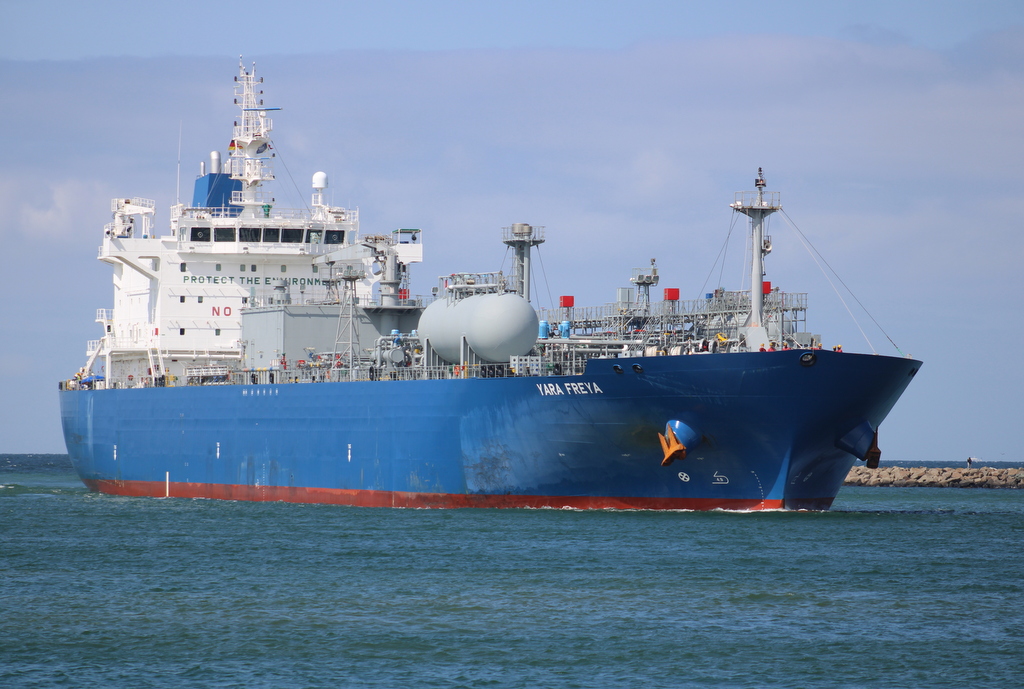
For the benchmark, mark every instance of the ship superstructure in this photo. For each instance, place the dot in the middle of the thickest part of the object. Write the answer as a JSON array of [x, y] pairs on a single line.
[[272, 353], [179, 297]]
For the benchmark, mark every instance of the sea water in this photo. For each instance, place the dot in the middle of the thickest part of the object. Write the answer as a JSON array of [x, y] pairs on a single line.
[[895, 587]]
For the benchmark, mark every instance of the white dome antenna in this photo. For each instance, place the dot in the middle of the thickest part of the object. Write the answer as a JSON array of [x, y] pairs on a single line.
[[319, 184]]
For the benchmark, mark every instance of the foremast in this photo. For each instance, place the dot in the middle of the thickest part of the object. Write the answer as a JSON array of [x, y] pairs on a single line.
[[757, 205]]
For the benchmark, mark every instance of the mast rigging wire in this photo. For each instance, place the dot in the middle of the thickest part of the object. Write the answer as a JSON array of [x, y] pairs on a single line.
[[547, 285], [302, 199], [815, 255], [177, 184], [721, 256]]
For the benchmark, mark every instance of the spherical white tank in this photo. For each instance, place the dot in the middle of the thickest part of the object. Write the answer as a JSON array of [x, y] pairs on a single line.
[[437, 324], [501, 326], [496, 327]]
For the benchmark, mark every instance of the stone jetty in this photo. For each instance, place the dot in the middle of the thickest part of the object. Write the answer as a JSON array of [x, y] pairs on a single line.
[[945, 477]]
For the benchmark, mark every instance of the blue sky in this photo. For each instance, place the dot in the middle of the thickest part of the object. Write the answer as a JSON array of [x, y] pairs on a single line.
[[892, 131], [72, 30]]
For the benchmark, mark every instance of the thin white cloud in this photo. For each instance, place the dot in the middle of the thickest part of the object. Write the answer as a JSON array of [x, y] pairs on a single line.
[[50, 211]]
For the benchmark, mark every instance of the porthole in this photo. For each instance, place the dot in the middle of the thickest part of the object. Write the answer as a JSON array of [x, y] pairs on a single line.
[[808, 359], [638, 368], [617, 368]]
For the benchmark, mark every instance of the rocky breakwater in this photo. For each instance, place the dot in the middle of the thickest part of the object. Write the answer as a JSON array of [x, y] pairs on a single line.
[[945, 477]]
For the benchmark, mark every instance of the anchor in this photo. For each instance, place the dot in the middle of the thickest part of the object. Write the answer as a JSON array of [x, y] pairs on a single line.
[[873, 454], [678, 439], [671, 446]]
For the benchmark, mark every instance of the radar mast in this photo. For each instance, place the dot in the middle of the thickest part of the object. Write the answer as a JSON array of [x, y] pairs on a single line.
[[250, 147]]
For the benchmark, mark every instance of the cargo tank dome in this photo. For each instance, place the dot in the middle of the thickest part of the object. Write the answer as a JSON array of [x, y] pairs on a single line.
[[496, 326], [437, 324], [501, 326]]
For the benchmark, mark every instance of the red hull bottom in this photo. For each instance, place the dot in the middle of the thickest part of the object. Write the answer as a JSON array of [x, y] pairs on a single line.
[[381, 498]]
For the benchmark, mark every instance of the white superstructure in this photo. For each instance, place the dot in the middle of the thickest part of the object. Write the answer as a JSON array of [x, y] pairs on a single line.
[[178, 298]]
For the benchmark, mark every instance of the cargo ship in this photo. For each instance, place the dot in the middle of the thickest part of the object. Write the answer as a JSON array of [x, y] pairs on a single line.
[[256, 352]]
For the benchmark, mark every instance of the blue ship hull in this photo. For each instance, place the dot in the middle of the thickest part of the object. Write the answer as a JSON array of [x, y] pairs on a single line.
[[774, 433]]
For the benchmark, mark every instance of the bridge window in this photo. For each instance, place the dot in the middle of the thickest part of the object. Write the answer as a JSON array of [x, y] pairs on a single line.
[[248, 234], [291, 236], [334, 237], [200, 234], [224, 234], [272, 234]]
